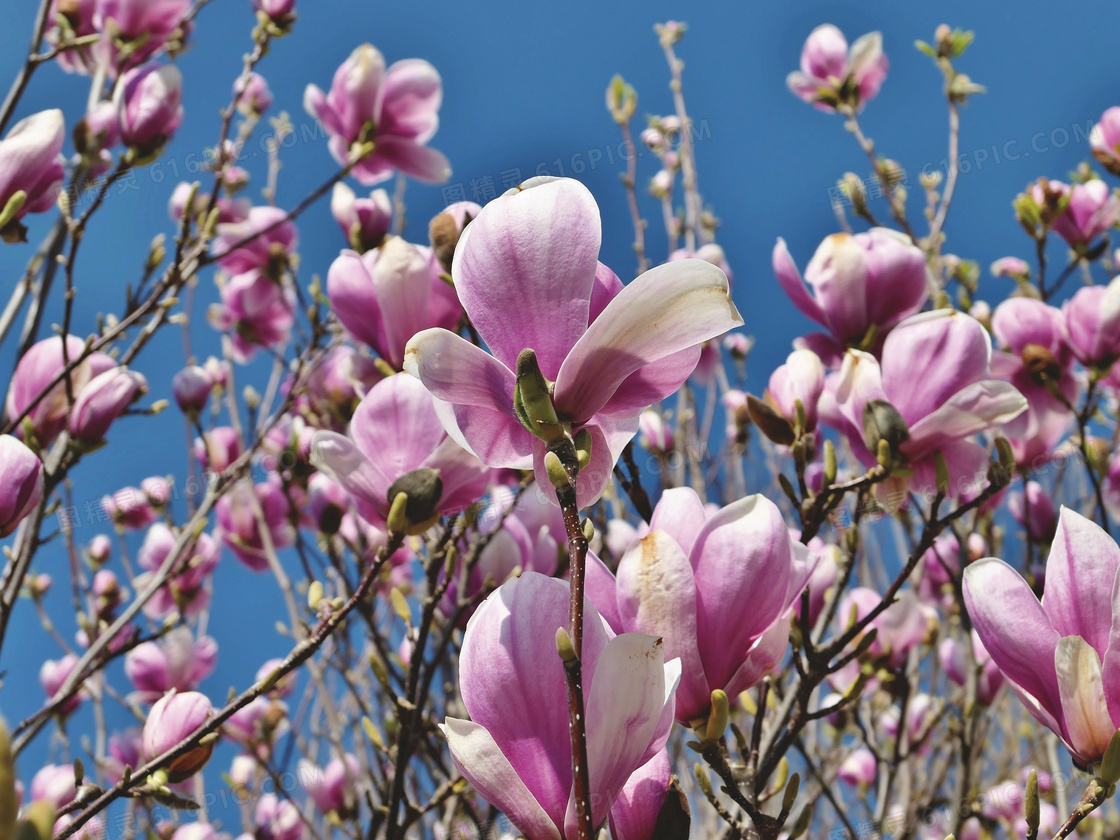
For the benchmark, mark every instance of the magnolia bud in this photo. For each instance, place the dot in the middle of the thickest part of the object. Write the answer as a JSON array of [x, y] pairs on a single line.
[[882, 422]]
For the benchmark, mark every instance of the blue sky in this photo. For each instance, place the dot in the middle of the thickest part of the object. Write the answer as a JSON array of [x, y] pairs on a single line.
[[524, 88]]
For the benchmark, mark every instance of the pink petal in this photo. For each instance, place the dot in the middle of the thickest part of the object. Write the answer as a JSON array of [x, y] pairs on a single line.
[[635, 812], [971, 410], [1014, 628], [1088, 725], [657, 596], [411, 94], [479, 758], [354, 300], [477, 391], [789, 278], [600, 586], [525, 269], [338, 457], [402, 282], [681, 514], [465, 478], [1080, 576], [513, 682], [630, 687], [608, 438], [421, 162], [668, 309], [396, 426]]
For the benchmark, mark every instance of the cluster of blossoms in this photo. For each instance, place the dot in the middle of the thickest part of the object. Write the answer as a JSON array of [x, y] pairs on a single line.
[[441, 477]]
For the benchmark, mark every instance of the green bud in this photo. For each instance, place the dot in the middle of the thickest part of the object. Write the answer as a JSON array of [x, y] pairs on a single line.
[[400, 604], [941, 469], [1031, 808], [717, 718], [790, 795], [622, 101], [829, 463], [373, 733], [564, 646], [532, 400], [38, 821], [14, 205], [314, 594], [379, 672], [9, 802], [802, 824], [583, 447], [397, 521], [588, 530], [702, 779], [556, 472], [1110, 764]]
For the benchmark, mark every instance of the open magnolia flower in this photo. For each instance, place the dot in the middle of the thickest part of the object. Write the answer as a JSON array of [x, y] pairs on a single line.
[[527, 272], [1061, 656], [516, 749]]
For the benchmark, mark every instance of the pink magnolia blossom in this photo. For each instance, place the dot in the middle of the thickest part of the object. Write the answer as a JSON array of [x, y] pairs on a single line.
[[1104, 140], [129, 508], [696, 580], [954, 660], [36, 370], [711, 252], [397, 109], [516, 749], [1092, 210], [275, 9], [176, 661], [1092, 324], [240, 528], [229, 210], [149, 24], [30, 164], [267, 253], [364, 221], [831, 73], [54, 783], [191, 388], [256, 310], [1010, 267], [53, 675], [1034, 510], [527, 272], [1061, 656], [655, 434], [859, 769], [396, 429], [799, 380], [174, 718], [218, 448], [188, 591], [873, 279], [22, 489], [1035, 352], [935, 373], [254, 96], [149, 108], [277, 819], [332, 788], [387, 295], [105, 398]]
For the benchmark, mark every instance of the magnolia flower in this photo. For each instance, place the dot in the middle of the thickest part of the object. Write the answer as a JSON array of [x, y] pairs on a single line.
[[955, 663], [1092, 324], [191, 388], [332, 788], [1059, 656], [527, 272], [53, 675], [177, 661], [396, 109], [148, 24], [1104, 140], [935, 375], [390, 293], [240, 527], [149, 108], [103, 400], [277, 819], [31, 172], [276, 239], [22, 489], [256, 311], [187, 592], [396, 430], [54, 783], [1010, 267], [364, 221], [1037, 356], [873, 279], [37, 369], [173, 719], [831, 74], [1035, 512], [253, 95], [1091, 211], [697, 581], [516, 748]]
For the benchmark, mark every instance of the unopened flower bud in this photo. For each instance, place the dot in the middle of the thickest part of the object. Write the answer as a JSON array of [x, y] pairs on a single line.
[[423, 488], [173, 718], [882, 422]]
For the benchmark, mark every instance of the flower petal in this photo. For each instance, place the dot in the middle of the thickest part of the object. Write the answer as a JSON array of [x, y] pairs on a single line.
[[681, 515], [402, 281], [668, 309], [480, 391], [339, 457], [1088, 725], [481, 762], [1014, 628], [600, 586], [630, 687], [635, 812], [396, 425], [973, 409], [421, 162], [354, 301], [657, 595], [411, 94], [525, 268], [1080, 575]]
